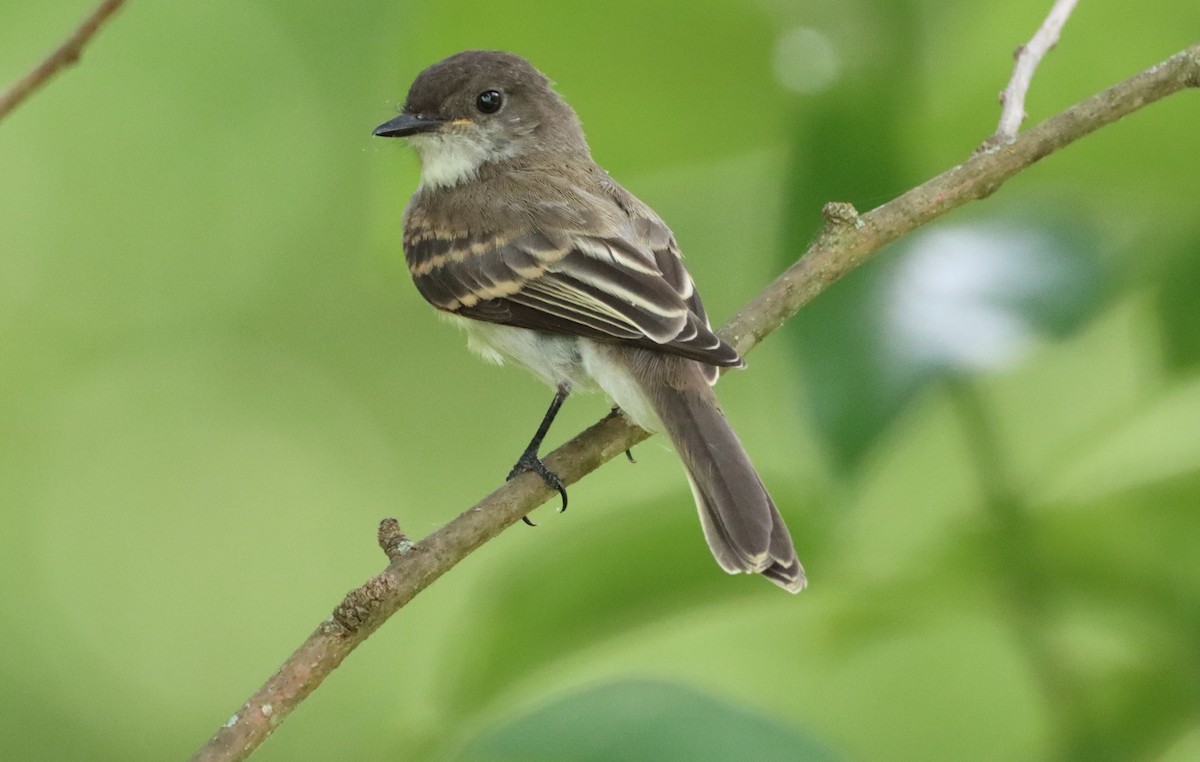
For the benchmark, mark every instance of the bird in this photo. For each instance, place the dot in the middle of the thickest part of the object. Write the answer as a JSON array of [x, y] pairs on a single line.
[[517, 235]]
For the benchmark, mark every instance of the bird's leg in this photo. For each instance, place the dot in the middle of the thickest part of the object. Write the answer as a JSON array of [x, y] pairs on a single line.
[[529, 460]]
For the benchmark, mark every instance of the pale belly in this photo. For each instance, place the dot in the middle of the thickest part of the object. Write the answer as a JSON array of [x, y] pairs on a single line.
[[581, 364]]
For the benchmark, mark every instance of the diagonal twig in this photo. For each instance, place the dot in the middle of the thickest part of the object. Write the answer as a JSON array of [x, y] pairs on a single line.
[[845, 242], [63, 56], [1028, 57]]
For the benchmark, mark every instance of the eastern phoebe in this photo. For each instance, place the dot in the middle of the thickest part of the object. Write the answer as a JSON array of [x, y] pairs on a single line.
[[524, 241]]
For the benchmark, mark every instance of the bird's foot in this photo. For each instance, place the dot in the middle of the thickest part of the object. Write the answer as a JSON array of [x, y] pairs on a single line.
[[529, 461]]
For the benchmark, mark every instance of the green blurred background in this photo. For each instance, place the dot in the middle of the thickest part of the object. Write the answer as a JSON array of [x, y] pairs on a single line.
[[216, 378]]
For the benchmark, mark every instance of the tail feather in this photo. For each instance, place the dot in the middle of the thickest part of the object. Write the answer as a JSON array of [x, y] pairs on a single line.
[[741, 523]]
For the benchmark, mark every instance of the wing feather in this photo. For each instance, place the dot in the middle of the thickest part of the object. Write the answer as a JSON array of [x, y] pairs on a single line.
[[630, 286]]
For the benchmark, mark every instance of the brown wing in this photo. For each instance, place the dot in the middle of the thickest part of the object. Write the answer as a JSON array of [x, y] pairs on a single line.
[[604, 288]]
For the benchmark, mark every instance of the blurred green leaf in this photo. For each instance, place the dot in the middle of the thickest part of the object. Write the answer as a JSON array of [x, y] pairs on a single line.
[[1179, 317], [640, 720], [1118, 580], [1127, 563]]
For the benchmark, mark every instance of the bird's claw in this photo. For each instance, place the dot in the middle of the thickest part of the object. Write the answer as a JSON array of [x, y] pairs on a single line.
[[529, 461]]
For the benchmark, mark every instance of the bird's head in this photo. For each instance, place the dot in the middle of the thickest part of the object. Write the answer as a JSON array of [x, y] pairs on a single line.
[[482, 106]]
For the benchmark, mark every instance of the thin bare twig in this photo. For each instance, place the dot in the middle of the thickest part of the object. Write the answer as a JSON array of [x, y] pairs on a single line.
[[1028, 57], [65, 55], [845, 242]]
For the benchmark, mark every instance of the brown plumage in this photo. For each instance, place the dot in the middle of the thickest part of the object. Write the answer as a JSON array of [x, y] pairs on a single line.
[[554, 265], [613, 274]]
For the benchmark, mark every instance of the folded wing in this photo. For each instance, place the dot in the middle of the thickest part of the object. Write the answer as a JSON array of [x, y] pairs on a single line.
[[631, 288]]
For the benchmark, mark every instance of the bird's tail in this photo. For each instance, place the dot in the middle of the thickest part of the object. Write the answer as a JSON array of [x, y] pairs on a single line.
[[744, 529]]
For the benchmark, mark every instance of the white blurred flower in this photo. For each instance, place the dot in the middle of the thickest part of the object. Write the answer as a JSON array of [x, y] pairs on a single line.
[[958, 298]]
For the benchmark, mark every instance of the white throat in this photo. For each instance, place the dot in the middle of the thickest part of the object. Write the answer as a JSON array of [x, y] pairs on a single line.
[[447, 160]]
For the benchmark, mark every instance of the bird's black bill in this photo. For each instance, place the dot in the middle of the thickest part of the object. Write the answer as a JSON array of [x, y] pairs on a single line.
[[405, 125]]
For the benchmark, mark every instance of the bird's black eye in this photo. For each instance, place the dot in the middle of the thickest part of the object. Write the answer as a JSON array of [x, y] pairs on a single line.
[[489, 101]]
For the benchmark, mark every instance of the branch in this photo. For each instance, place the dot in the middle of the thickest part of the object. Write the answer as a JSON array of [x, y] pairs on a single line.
[[845, 241], [66, 54], [1028, 57]]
